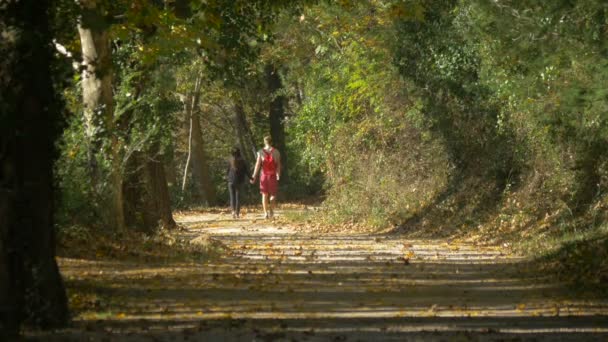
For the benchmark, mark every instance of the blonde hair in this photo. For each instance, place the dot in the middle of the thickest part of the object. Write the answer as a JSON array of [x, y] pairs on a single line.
[[268, 140]]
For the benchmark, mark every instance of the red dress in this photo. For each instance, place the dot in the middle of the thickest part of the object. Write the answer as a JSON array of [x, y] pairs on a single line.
[[268, 179]]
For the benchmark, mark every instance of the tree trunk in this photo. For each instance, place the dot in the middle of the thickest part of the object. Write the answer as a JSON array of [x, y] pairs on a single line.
[[197, 161], [188, 123], [140, 205], [98, 103], [117, 214], [30, 284], [158, 190], [244, 138], [133, 191], [147, 202], [200, 166], [170, 167], [277, 115]]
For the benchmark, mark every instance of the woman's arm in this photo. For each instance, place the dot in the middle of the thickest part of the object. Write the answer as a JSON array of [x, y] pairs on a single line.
[[257, 168]]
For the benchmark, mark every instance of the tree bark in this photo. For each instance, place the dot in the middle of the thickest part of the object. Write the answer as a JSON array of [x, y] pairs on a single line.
[[147, 201], [170, 166], [200, 166], [190, 101], [189, 119], [158, 189], [133, 191], [244, 138], [197, 160], [31, 288], [277, 115], [99, 105]]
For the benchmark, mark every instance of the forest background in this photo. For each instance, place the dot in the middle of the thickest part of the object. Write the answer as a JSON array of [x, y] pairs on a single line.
[[484, 119]]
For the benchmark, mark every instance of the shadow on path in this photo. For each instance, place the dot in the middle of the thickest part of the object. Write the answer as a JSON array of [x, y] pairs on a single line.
[[279, 284]]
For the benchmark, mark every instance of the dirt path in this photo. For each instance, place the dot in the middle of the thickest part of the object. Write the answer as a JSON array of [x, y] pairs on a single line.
[[282, 284]]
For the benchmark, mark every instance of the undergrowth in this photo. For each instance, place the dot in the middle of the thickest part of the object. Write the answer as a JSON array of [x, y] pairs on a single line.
[[163, 246]]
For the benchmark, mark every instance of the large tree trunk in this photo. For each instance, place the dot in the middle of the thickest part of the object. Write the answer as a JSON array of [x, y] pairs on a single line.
[[30, 284], [156, 183], [147, 202], [99, 105], [244, 137], [160, 194], [277, 115]]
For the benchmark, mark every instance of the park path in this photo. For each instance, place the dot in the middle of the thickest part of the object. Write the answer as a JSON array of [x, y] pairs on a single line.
[[280, 282]]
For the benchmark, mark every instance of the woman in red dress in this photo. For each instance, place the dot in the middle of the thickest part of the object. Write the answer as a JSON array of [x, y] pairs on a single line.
[[269, 161]]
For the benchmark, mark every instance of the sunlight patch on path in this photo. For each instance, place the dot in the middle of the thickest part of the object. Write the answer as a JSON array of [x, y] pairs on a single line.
[[359, 283]]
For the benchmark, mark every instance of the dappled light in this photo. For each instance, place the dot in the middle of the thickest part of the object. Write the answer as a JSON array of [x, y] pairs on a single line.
[[324, 285], [303, 170]]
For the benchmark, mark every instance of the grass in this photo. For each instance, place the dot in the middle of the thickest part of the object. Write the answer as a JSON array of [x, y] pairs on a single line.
[[581, 258], [551, 243]]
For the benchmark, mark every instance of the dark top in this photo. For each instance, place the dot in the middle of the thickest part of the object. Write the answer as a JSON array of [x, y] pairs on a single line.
[[238, 174]]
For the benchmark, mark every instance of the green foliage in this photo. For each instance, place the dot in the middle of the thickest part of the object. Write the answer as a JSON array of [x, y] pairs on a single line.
[[355, 127], [547, 80], [150, 44], [447, 116], [500, 102], [78, 202]]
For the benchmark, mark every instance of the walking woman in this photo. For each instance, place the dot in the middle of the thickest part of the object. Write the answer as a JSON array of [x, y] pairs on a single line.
[[269, 161], [237, 171]]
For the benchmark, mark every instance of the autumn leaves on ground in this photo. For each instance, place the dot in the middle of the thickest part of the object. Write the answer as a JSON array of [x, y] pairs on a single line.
[[252, 279]]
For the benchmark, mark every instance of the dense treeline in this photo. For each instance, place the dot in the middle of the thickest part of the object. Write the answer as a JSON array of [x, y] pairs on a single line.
[[459, 113], [464, 117], [435, 117]]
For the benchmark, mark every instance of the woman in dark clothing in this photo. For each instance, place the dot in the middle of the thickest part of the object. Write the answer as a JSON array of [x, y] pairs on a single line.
[[237, 172]]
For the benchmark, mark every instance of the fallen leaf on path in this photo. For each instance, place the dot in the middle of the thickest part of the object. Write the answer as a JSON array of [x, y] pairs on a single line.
[[405, 261]]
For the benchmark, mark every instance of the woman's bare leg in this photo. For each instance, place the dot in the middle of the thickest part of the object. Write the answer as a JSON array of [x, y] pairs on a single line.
[[271, 205], [265, 204]]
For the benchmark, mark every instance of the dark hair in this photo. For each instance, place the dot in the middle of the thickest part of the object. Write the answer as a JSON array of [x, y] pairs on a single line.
[[236, 152], [236, 160]]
